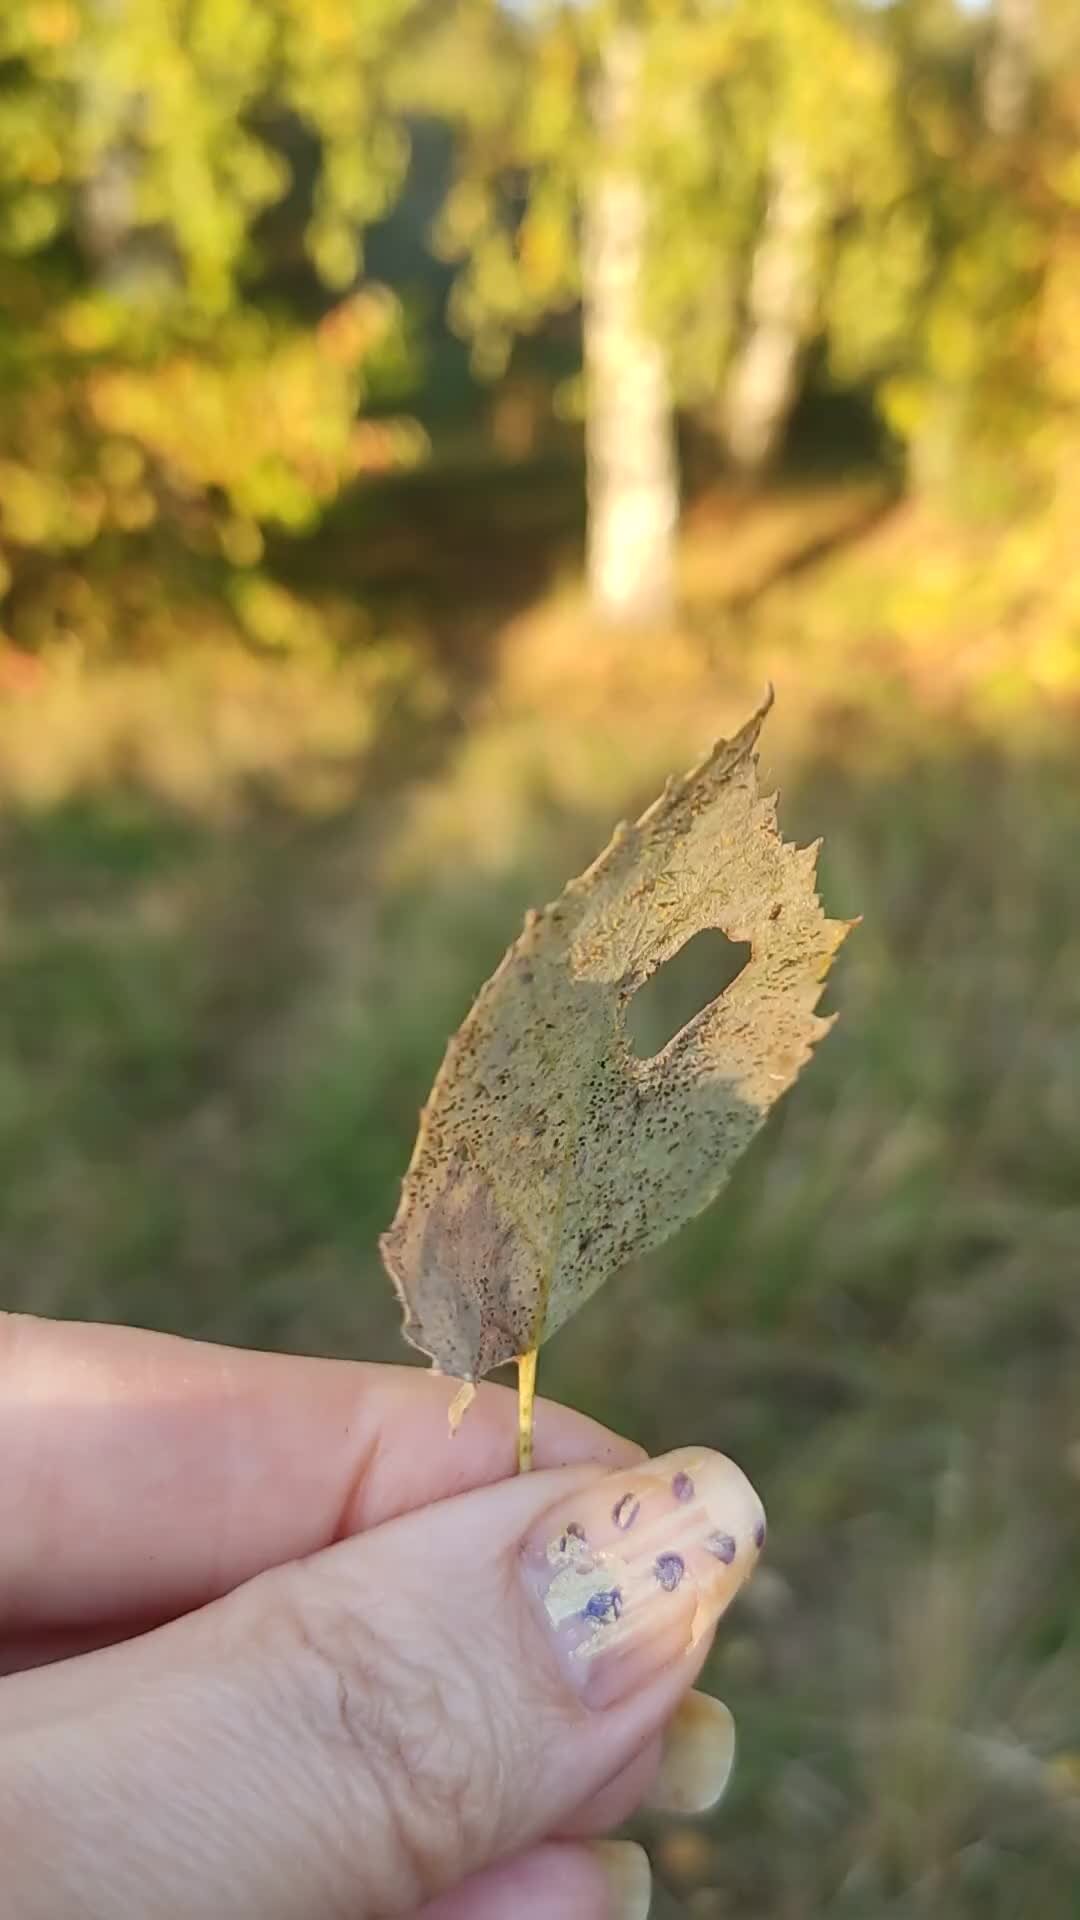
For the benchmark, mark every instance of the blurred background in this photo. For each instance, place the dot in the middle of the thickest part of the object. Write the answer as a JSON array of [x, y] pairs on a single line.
[[425, 424]]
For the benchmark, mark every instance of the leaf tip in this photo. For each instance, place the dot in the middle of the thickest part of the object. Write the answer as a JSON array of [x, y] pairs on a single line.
[[746, 738], [460, 1404]]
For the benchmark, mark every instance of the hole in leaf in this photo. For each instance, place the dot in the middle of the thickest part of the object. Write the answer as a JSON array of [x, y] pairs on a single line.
[[702, 969]]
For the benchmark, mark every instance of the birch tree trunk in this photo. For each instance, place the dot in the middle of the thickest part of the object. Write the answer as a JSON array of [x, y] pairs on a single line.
[[631, 469], [1008, 70], [128, 261], [763, 382]]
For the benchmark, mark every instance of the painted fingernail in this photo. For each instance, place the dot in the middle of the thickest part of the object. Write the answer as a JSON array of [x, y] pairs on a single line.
[[698, 1756], [633, 1571], [625, 1867]]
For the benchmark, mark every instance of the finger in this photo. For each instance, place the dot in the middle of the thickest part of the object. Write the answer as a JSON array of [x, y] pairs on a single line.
[[365, 1729], [697, 1757], [619, 1798], [45, 1649], [684, 1771], [145, 1475], [601, 1880]]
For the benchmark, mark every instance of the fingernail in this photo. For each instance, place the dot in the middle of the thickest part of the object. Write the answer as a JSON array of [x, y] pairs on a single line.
[[629, 1876], [698, 1756], [634, 1570]]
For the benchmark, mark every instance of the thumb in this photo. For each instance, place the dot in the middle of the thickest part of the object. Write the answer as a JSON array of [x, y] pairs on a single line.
[[357, 1732]]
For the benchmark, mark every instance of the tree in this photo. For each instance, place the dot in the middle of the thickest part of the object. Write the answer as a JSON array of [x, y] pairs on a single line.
[[781, 299], [1008, 66], [550, 210], [950, 296], [674, 169], [819, 116], [630, 459], [145, 145]]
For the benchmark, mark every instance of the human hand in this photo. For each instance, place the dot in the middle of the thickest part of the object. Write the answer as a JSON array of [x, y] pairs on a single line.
[[276, 1648]]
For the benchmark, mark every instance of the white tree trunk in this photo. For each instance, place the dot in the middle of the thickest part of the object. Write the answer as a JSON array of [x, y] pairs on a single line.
[[1009, 67], [763, 383], [631, 468], [128, 261]]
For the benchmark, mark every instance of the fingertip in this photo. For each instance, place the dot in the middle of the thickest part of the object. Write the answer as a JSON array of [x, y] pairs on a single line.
[[625, 1867], [418, 1459], [567, 1438], [697, 1759], [577, 1880]]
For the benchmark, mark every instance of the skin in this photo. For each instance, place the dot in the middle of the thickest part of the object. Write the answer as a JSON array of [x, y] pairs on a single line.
[[266, 1651]]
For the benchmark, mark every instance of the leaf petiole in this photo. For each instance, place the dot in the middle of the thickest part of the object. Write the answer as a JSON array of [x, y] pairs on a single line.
[[526, 1366]]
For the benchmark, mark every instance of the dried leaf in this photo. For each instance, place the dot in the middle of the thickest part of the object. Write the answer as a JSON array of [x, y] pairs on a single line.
[[549, 1154]]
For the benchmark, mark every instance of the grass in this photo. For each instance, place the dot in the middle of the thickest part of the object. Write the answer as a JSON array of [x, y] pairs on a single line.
[[221, 1007]]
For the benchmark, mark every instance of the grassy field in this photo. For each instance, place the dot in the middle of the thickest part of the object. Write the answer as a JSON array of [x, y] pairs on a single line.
[[232, 954]]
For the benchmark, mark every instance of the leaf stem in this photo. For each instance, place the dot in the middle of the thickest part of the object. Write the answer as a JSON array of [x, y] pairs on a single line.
[[526, 1366]]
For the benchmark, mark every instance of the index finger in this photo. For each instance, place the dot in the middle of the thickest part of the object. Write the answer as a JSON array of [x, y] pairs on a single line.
[[144, 1475]]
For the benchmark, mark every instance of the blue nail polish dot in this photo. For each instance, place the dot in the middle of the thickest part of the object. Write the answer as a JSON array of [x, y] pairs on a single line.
[[722, 1547], [625, 1511], [669, 1570], [605, 1606], [759, 1535], [682, 1487]]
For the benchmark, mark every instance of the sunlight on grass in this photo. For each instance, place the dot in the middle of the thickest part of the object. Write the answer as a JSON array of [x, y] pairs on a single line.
[[203, 729]]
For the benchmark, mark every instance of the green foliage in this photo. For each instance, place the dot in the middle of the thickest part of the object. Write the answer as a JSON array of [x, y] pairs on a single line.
[[951, 294], [753, 86], [511, 215], [185, 348], [944, 253], [150, 395], [723, 90], [167, 111]]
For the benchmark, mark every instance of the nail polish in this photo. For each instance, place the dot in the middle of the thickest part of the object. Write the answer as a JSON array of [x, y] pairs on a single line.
[[634, 1570]]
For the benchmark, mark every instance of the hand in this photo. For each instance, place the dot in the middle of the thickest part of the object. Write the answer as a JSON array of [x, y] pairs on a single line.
[[277, 1647]]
